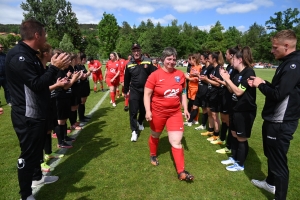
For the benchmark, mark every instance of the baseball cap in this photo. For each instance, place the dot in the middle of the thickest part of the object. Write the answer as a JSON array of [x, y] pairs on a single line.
[[135, 46]]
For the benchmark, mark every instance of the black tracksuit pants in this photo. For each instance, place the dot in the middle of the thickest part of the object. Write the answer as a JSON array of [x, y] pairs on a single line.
[[276, 143], [136, 105], [31, 134]]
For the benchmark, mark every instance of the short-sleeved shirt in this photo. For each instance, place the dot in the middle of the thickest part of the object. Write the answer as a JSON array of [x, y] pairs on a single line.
[[213, 91], [112, 68], [247, 101], [122, 66], [167, 90], [96, 65], [61, 93]]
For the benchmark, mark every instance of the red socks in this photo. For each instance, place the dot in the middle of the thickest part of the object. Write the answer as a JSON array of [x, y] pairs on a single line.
[[178, 156], [153, 145], [112, 97]]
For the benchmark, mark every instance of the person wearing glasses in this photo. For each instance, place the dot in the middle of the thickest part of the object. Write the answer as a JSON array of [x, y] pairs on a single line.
[[3, 81], [136, 73]]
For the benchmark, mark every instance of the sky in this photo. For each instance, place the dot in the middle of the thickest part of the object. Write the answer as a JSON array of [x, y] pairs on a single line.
[[201, 13]]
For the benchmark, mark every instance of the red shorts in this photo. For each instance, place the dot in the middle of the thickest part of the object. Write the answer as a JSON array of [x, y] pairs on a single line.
[[97, 77], [173, 122], [121, 79], [115, 83]]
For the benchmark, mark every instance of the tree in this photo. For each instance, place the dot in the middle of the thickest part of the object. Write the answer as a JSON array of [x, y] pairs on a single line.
[[232, 37], [66, 44], [57, 16], [170, 36], [285, 20], [108, 33], [215, 39], [253, 37]]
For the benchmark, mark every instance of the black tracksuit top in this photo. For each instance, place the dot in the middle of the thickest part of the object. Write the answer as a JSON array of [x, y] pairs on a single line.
[[136, 74], [282, 102], [28, 81]]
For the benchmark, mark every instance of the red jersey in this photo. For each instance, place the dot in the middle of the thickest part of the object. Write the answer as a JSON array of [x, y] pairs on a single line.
[[112, 68], [96, 65], [167, 90], [122, 66], [157, 65]]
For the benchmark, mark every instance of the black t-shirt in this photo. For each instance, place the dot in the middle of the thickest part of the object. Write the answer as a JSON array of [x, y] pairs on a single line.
[[61, 92], [203, 86], [82, 67], [247, 101], [224, 91], [213, 91]]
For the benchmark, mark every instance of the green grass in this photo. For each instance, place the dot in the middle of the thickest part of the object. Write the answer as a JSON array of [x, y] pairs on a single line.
[[104, 164]]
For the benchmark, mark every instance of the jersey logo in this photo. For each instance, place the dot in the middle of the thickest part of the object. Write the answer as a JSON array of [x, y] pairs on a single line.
[[293, 66], [160, 80], [171, 93], [240, 78], [21, 58], [145, 66], [177, 79]]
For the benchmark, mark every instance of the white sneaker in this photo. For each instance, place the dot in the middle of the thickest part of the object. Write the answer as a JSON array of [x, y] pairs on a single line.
[[187, 123], [235, 167], [133, 136], [201, 127], [195, 122], [264, 185], [141, 126], [228, 162], [44, 180], [31, 197], [114, 105]]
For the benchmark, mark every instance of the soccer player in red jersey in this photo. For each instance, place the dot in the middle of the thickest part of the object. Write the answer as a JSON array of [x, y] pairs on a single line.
[[155, 63], [123, 63], [95, 68], [111, 75], [163, 96]]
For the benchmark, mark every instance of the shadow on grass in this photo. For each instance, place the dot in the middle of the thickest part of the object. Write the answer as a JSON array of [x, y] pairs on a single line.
[[253, 171], [89, 145]]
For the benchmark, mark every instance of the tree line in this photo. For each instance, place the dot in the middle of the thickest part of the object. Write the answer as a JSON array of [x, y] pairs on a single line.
[[98, 40]]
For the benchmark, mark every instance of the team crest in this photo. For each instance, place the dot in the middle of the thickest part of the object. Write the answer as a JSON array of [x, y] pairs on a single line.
[[145, 66], [177, 79], [21, 58], [293, 66], [240, 78]]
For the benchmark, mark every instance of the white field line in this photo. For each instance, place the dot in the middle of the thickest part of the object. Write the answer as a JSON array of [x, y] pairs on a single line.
[[55, 162]]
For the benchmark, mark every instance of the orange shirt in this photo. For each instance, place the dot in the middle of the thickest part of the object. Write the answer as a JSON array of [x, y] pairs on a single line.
[[194, 70]]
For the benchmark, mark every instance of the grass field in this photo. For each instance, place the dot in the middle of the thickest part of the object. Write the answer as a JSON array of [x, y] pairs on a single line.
[[104, 164]]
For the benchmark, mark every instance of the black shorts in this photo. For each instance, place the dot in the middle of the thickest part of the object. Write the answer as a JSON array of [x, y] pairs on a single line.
[[85, 89], [75, 99], [225, 103], [63, 108], [200, 102], [242, 122], [52, 117], [214, 104]]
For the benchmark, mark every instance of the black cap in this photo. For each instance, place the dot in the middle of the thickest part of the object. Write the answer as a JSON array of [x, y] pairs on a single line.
[[135, 46]]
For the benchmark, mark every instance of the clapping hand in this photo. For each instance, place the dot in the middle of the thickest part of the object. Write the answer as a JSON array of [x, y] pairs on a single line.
[[60, 60]]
